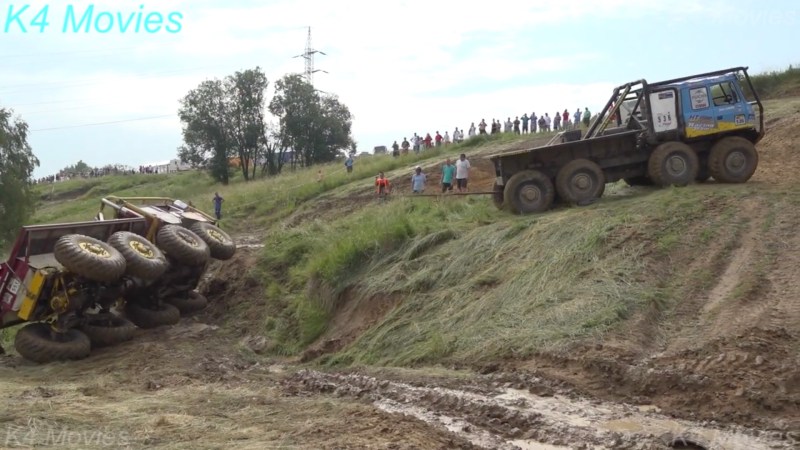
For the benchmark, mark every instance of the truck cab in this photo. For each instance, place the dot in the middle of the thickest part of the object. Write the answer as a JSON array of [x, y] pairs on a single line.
[[698, 108]]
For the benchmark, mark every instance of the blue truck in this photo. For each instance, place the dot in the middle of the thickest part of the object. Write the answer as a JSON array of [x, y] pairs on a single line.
[[669, 133]]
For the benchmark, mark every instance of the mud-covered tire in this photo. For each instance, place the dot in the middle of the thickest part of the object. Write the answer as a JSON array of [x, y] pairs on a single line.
[[220, 244], [733, 160], [142, 258], [188, 304], [497, 196], [529, 192], [108, 331], [89, 257], [183, 245], [36, 342], [673, 164], [147, 318], [580, 182]]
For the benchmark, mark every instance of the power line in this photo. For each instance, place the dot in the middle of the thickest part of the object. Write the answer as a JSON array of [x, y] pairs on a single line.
[[104, 123]]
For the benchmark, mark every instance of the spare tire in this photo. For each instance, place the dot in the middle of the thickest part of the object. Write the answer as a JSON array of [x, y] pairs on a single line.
[[219, 242], [189, 303], [146, 318], [108, 331], [89, 257], [38, 343], [183, 245], [143, 259]]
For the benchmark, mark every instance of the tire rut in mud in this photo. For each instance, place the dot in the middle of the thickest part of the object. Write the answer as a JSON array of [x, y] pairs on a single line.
[[501, 411]]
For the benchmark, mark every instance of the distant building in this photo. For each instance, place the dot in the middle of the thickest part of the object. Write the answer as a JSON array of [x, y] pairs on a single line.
[[380, 150]]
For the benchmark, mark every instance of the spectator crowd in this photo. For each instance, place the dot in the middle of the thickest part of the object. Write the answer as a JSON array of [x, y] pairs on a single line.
[[525, 124]]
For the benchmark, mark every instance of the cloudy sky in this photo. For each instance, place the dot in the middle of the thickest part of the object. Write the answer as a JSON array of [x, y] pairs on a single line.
[[402, 66]]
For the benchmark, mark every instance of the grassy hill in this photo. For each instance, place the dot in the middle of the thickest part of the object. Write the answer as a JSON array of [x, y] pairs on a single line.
[[631, 289]]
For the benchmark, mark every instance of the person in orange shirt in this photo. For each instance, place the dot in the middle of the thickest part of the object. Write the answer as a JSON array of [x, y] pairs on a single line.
[[382, 185]]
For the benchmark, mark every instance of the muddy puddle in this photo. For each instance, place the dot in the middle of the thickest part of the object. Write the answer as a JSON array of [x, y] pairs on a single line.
[[497, 416]]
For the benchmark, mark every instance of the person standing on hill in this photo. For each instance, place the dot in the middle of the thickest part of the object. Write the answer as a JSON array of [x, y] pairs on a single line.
[[382, 185], [438, 139], [395, 149], [405, 146], [577, 118], [557, 122], [472, 130], [525, 123], [565, 119], [348, 164], [448, 172], [428, 140], [516, 125], [534, 122], [587, 116], [218, 205], [482, 127], [418, 181], [462, 173]]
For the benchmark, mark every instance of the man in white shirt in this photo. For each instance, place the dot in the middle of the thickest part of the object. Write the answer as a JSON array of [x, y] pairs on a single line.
[[472, 130], [462, 173]]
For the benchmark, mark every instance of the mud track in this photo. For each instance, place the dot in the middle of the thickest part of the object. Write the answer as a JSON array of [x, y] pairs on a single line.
[[515, 411]]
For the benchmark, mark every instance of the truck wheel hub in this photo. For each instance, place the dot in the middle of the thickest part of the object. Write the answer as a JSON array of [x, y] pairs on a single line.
[[94, 249], [187, 238], [530, 193], [676, 166], [582, 182], [216, 236], [142, 249], [735, 161]]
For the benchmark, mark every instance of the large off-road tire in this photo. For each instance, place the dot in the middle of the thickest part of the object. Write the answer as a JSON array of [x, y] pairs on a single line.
[[89, 257], [142, 258], [673, 164], [189, 303], [528, 192], [38, 343], [147, 318], [639, 181], [497, 196], [219, 242], [109, 330], [580, 182], [183, 245], [733, 160]]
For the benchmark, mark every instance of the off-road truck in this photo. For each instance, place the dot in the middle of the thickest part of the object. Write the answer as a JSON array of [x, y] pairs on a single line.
[[71, 281], [669, 133]]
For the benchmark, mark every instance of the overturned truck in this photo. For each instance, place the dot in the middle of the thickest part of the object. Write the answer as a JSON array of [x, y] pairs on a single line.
[[91, 284]]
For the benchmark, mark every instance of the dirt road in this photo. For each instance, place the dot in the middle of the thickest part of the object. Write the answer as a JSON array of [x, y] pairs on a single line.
[[184, 387]]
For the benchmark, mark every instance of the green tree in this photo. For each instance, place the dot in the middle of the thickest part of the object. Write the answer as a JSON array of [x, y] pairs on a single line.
[[17, 163], [77, 168], [245, 94], [224, 119], [206, 133], [316, 127]]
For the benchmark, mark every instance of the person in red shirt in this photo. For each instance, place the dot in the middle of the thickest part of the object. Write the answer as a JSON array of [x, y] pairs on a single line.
[[565, 119], [438, 139], [428, 140], [382, 185]]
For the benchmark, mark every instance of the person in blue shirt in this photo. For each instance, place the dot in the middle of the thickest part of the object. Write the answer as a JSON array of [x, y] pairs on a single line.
[[349, 164], [218, 205], [418, 181]]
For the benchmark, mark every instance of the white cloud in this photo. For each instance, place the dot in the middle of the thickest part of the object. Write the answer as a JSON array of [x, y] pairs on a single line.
[[390, 62]]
